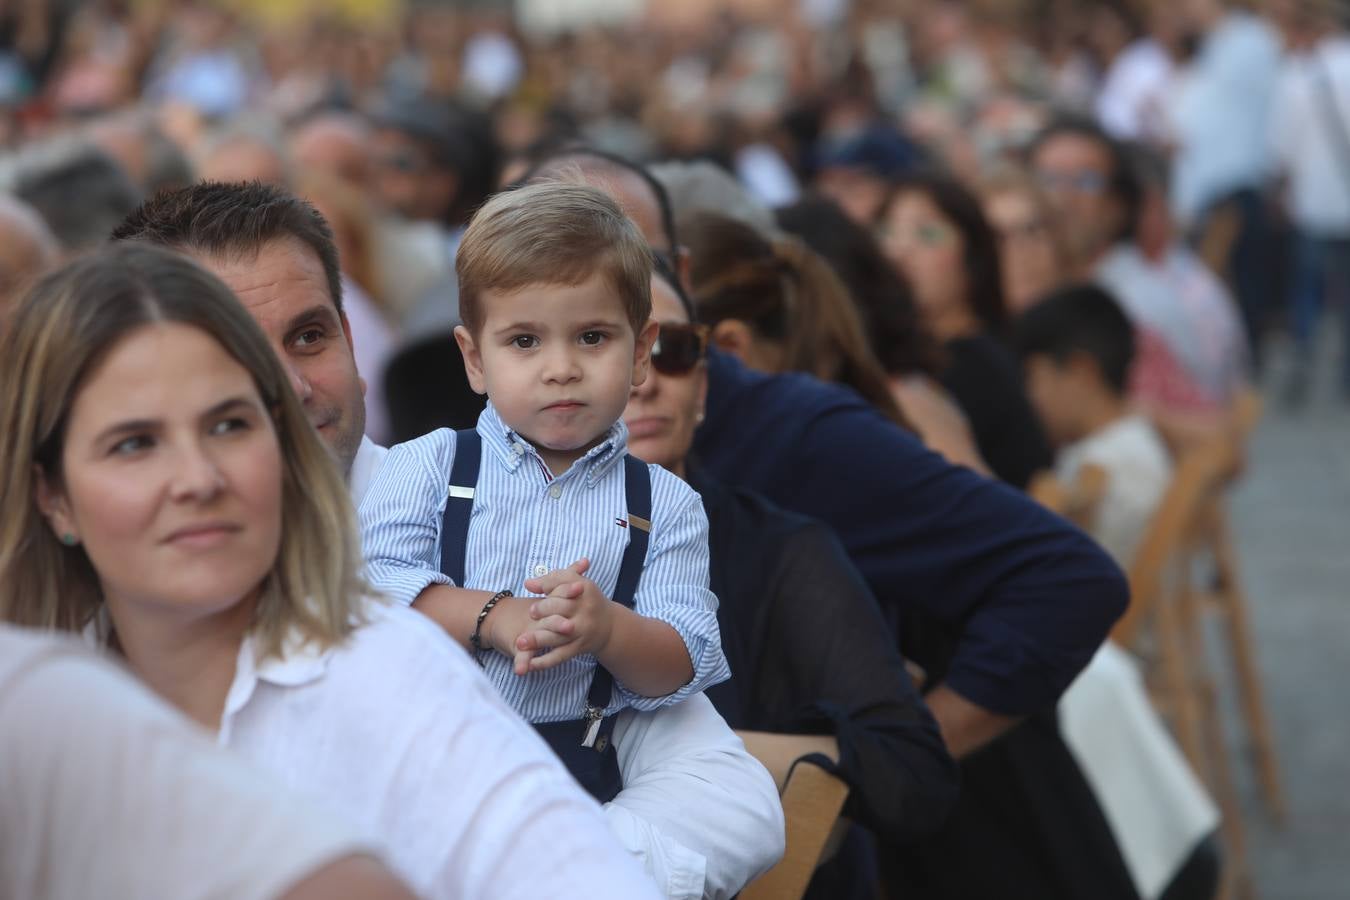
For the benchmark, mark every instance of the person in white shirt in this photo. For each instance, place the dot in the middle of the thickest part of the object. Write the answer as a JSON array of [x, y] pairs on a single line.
[[1077, 346], [107, 791], [1311, 140], [165, 496], [700, 813]]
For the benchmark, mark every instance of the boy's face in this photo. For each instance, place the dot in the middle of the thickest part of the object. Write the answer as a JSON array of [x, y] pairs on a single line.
[[558, 363], [1056, 393]]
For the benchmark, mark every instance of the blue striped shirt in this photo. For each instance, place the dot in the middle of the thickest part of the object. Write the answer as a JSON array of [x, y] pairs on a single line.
[[526, 523]]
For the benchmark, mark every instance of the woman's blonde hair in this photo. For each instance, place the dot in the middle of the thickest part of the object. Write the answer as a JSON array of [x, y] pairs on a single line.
[[61, 332]]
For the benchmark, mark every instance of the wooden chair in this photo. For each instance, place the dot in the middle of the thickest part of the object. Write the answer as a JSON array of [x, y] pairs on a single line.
[[812, 801], [1165, 604], [1076, 502]]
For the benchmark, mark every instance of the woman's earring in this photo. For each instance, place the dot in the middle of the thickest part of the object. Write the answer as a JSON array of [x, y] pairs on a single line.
[[68, 539], [698, 419]]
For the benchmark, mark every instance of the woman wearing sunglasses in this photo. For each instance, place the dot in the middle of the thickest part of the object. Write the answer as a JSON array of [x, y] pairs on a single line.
[[815, 669], [935, 233]]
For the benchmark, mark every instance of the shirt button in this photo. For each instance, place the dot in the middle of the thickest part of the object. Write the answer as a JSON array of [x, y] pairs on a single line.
[[555, 492], [540, 571], [517, 449]]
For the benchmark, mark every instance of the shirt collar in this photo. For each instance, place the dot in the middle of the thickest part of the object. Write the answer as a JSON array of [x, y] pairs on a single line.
[[511, 449]]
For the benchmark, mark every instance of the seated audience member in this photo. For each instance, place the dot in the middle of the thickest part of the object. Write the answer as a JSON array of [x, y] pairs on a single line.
[[1098, 201], [932, 229], [80, 191], [855, 166], [1031, 249], [906, 350], [701, 813], [1077, 346], [166, 497], [107, 791], [348, 214], [27, 248], [150, 157], [248, 150], [807, 676], [780, 308], [336, 144], [1076, 350], [555, 291], [968, 568]]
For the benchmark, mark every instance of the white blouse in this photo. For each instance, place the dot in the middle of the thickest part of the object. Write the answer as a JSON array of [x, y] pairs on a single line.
[[399, 732]]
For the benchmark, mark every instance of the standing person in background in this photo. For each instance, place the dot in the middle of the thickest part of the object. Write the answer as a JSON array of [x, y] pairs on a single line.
[[1311, 140], [1219, 117], [933, 231]]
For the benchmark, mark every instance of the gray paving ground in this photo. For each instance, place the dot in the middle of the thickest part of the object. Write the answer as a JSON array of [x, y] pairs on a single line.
[[1292, 522]]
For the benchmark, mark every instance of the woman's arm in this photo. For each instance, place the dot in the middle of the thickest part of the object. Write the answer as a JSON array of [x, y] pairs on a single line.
[[838, 674]]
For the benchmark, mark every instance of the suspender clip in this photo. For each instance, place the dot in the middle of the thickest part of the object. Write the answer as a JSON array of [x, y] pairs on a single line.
[[593, 718]]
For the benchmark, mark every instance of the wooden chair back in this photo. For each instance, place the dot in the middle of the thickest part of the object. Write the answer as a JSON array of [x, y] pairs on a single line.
[[812, 800], [1076, 502]]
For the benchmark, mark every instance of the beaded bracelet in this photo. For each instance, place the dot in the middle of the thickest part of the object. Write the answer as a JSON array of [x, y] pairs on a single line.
[[475, 639]]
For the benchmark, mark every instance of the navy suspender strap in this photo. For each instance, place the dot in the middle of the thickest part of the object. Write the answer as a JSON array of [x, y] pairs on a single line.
[[637, 486], [459, 504], [592, 760]]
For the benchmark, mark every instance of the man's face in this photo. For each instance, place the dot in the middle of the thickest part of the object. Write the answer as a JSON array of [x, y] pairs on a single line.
[[408, 180], [286, 291], [1075, 173]]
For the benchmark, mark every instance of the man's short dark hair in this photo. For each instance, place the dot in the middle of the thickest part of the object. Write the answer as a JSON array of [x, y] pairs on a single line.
[[1122, 182], [233, 220], [1080, 319]]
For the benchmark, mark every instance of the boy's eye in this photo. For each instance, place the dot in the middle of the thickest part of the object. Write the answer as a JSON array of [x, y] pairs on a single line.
[[592, 338], [524, 341]]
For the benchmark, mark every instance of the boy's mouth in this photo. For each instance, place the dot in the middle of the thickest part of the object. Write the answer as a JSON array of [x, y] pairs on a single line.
[[565, 405]]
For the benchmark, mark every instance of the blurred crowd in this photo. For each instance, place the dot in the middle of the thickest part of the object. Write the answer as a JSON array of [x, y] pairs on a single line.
[[1037, 234]]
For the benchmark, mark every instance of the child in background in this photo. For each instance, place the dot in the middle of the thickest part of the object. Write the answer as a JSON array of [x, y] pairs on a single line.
[[1077, 347], [542, 498]]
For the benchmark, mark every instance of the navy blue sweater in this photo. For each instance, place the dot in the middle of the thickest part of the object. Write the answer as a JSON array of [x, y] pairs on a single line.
[[1008, 602]]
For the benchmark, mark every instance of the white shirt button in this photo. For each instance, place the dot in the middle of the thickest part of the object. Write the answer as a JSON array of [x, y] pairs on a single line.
[[540, 571], [555, 492], [518, 449]]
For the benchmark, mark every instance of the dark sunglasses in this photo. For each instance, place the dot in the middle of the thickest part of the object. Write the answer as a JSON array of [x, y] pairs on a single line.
[[679, 348]]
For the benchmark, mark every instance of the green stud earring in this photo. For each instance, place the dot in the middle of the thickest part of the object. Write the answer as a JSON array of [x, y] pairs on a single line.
[[68, 539]]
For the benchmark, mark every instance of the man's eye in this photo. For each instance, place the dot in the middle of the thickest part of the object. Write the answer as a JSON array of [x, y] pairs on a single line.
[[592, 338], [524, 341], [309, 337]]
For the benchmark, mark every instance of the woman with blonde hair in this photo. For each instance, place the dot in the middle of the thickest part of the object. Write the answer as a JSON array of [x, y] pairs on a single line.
[[164, 494]]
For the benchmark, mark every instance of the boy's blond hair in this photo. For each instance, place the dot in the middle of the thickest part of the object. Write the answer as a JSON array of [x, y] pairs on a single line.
[[552, 233]]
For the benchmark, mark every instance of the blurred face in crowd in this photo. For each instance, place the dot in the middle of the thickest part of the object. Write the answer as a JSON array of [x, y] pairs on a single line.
[[664, 411], [1059, 392], [243, 159], [929, 250], [334, 145], [1031, 260], [171, 476], [858, 193], [285, 290], [408, 180], [558, 362], [1074, 171]]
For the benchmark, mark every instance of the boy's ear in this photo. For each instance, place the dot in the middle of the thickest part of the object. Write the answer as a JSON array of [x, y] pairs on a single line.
[[473, 359], [642, 351]]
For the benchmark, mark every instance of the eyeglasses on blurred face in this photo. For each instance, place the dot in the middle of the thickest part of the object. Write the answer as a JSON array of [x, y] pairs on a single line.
[[679, 347], [1083, 181]]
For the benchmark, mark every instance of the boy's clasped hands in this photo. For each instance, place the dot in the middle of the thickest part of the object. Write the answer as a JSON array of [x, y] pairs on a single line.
[[571, 618]]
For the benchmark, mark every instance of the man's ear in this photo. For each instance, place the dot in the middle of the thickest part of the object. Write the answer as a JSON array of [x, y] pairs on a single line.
[[735, 337], [53, 505], [642, 351], [473, 359]]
